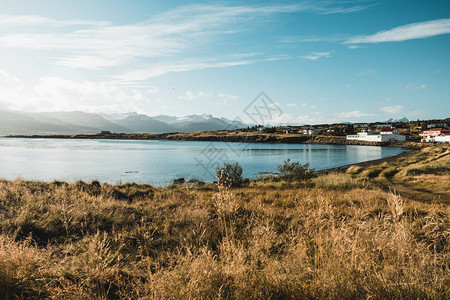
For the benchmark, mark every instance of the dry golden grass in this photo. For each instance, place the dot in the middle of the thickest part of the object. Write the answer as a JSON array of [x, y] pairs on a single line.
[[423, 176], [338, 237], [341, 240]]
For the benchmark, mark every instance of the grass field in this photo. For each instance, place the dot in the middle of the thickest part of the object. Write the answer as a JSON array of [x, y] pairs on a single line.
[[342, 235]]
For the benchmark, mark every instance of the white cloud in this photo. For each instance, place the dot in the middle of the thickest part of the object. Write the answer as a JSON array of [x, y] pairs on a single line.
[[189, 96], [395, 109], [226, 96], [353, 114], [407, 32], [416, 86], [59, 94], [291, 104], [316, 55]]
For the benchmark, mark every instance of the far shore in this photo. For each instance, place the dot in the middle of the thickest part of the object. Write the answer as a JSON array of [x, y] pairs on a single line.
[[227, 136]]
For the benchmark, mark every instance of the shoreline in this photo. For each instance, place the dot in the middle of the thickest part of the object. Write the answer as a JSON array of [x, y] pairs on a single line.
[[339, 169], [391, 158], [228, 137]]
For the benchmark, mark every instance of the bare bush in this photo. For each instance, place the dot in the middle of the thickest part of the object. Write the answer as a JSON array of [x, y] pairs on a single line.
[[229, 175]]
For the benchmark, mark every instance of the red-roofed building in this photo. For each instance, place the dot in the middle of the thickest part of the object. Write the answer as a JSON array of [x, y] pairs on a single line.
[[389, 130], [431, 134]]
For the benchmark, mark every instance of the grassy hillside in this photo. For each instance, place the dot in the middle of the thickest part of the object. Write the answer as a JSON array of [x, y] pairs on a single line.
[[423, 176], [343, 235]]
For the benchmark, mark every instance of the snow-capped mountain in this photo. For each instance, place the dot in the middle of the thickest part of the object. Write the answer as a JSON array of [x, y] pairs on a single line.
[[402, 120]]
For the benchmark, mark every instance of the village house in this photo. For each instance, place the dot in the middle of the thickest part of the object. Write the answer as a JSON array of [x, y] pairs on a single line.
[[383, 125], [309, 132], [389, 130], [430, 135], [437, 125], [288, 129], [360, 125]]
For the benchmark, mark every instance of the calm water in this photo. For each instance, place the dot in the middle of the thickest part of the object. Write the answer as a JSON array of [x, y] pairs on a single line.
[[159, 162]]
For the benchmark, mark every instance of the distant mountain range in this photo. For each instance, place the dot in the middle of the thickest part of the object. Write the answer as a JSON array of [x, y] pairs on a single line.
[[15, 122], [402, 120]]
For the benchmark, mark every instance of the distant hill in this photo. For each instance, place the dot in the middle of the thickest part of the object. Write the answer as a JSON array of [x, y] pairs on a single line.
[[94, 121], [145, 124], [14, 122], [24, 123]]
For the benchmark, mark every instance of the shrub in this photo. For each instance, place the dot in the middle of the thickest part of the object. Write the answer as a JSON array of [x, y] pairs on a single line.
[[436, 169], [230, 175], [390, 172], [294, 171], [372, 173]]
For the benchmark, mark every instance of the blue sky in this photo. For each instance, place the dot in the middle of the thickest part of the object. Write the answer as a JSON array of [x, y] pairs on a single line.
[[319, 61]]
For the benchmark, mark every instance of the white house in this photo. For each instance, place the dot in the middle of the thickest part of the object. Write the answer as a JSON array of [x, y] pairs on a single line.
[[444, 139], [370, 136], [389, 130], [309, 131], [360, 125], [431, 134]]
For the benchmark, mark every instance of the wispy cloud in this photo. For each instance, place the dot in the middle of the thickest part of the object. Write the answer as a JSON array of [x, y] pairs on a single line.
[[203, 95], [353, 114], [416, 86], [316, 55], [366, 72], [406, 32], [335, 38], [189, 96], [38, 20], [226, 97], [93, 44], [417, 112], [174, 67], [394, 109]]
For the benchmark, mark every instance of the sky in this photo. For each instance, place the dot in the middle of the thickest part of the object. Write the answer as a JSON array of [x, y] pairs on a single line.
[[318, 61]]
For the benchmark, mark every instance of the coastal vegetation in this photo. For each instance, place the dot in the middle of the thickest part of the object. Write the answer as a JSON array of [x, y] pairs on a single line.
[[371, 231]]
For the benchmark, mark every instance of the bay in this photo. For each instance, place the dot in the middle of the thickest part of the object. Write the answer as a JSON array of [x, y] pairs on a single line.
[[160, 162]]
